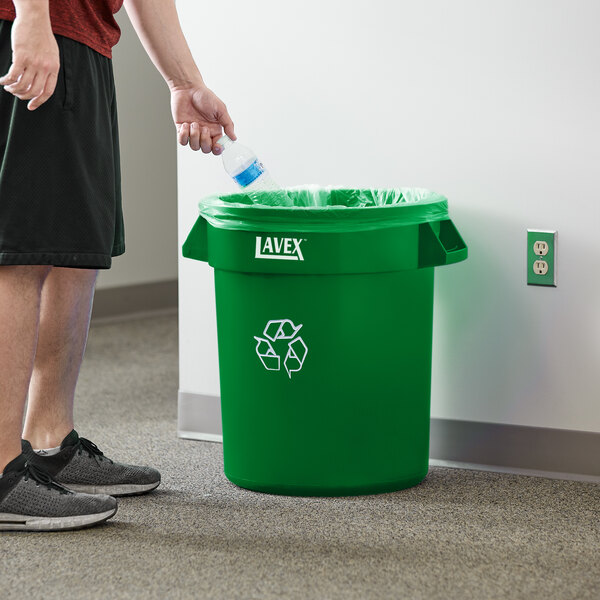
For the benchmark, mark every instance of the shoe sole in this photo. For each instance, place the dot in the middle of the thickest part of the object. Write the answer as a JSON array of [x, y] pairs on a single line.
[[124, 489], [11, 522]]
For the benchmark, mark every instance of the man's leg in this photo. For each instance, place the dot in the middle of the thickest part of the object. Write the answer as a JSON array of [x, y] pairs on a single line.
[[78, 464], [29, 500], [66, 305], [20, 293]]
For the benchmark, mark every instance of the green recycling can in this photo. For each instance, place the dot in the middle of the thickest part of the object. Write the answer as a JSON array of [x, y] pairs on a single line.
[[324, 319]]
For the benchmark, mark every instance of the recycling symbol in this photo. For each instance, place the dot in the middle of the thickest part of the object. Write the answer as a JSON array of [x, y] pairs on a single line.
[[282, 335]]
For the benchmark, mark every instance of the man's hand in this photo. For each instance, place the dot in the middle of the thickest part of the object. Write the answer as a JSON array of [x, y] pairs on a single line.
[[200, 118], [35, 58], [198, 114]]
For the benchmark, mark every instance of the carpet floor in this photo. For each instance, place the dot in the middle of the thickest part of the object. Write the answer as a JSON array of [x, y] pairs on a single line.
[[460, 534]]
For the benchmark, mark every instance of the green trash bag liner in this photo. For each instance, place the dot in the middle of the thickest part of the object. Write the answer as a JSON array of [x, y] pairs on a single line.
[[325, 209]]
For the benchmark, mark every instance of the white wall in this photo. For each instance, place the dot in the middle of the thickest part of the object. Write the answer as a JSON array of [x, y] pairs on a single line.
[[491, 103], [148, 166]]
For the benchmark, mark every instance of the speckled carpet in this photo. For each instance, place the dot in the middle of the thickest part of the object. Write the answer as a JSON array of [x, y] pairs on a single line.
[[461, 534]]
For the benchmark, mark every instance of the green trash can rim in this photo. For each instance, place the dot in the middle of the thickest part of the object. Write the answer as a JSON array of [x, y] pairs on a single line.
[[326, 209]]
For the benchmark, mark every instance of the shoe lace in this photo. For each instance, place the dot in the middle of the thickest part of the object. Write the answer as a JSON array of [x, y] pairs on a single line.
[[84, 445], [41, 477]]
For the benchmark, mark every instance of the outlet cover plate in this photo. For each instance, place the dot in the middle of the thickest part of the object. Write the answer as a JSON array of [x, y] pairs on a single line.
[[533, 275]]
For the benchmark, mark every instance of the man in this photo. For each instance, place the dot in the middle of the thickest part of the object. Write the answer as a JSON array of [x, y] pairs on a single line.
[[61, 221]]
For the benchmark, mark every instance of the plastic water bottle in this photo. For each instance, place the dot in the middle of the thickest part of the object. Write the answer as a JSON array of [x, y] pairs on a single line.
[[250, 174]]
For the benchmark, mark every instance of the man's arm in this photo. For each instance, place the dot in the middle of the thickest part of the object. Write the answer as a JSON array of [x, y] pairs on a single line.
[[36, 62], [197, 112]]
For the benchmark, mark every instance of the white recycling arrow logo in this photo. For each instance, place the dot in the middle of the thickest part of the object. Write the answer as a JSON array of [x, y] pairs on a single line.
[[285, 330]]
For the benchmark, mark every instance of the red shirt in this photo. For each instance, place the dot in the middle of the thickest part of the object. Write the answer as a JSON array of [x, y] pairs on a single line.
[[90, 22]]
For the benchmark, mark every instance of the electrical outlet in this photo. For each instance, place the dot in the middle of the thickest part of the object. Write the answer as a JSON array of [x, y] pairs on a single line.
[[541, 257], [540, 267]]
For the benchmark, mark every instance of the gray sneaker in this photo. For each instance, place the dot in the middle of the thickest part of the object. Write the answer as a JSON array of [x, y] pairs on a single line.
[[82, 467], [30, 500]]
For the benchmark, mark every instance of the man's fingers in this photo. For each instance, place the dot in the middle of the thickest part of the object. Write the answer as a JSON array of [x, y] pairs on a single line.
[[19, 88], [200, 137], [195, 136], [228, 126], [13, 74], [51, 84], [216, 149], [183, 134], [45, 93], [36, 87], [205, 141]]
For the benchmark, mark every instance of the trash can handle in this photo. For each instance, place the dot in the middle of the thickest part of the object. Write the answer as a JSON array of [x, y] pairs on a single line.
[[440, 244], [196, 244]]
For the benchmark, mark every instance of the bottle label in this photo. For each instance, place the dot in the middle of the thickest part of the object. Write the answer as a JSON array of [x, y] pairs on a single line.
[[248, 175]]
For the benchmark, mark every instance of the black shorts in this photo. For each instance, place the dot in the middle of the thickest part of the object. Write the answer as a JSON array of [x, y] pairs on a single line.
[[60, 180]]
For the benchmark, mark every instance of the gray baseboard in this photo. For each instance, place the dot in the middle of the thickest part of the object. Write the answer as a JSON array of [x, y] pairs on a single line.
[[516, 446], [146, 298], [487, 446]]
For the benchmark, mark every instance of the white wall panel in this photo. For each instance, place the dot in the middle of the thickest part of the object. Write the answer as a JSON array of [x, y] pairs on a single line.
[[491, 103]]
